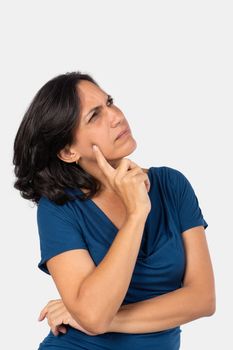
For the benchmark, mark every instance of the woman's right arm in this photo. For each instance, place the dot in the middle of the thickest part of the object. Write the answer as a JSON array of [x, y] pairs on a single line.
[[93, 294], [103, 291]]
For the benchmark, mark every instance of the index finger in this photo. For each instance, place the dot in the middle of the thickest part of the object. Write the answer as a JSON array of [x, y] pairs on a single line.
[[42, 314], [45, 308], [102, 162]]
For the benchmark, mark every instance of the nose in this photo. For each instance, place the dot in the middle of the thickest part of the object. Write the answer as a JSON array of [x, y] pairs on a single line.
[[116, 118]]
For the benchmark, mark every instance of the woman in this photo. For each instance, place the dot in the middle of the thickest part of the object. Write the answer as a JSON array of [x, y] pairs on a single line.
[[125, 246]]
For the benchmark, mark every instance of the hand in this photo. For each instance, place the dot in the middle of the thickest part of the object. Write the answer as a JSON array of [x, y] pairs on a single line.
[[128, 181], [58, 316]]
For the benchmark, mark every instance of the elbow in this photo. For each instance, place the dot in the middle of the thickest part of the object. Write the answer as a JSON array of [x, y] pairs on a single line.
[[210, 309], [88, 324], [87, 318], [209, 306], [203, 304], [94, 325]]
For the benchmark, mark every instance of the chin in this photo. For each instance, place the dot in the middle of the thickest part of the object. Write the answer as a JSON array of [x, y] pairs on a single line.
[[127, 149], [131, 148]]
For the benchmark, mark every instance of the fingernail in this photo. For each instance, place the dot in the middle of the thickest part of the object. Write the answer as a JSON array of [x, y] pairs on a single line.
[[94, 147]]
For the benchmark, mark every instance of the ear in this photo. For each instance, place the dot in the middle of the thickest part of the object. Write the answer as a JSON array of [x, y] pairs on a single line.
[[68, 155]]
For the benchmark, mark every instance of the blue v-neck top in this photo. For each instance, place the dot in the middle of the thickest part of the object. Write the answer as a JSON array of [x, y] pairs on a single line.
[[160, 264]]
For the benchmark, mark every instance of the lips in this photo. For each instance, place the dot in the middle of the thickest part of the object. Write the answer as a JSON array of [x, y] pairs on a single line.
[[122, 132]]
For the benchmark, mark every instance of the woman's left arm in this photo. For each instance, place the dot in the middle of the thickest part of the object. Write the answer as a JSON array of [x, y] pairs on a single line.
[[195, 299]]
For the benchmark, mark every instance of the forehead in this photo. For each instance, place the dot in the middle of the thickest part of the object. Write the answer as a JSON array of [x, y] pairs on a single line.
[[90, 94]]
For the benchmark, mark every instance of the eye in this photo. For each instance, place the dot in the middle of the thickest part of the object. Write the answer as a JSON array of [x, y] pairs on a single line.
[[93, 115], [110, 100]]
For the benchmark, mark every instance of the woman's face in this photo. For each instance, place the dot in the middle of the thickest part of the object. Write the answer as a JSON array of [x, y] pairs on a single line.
[[100, 126]]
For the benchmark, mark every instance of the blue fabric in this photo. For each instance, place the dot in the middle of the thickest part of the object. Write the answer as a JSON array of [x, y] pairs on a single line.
[[160, 264]]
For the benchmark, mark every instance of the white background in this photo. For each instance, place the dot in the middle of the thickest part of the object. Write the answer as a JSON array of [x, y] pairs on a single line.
[[168, 65]]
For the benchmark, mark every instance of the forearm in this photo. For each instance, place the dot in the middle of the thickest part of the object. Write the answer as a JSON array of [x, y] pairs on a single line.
[[159, 313], [104, 290]]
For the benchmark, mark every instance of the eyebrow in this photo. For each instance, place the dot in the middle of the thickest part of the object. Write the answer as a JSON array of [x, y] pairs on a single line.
[[97, 107]]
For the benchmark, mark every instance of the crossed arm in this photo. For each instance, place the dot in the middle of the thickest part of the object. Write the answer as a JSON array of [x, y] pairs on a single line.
[[195, 299], [163, 312]]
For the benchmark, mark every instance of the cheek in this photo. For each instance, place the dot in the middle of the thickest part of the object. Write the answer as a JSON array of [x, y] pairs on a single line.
[[100, 136], [105, 141]]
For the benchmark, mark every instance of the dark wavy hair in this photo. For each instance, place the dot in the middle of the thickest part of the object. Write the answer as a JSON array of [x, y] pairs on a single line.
[[48, 125]]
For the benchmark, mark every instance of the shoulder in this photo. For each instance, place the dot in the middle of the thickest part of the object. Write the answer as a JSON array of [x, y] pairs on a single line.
[[168, 176], [45, 204], [171, 182], [47, 207]]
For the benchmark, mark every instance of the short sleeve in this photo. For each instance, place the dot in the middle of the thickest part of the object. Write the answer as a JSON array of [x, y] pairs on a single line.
[[189, 211], [58, 231]]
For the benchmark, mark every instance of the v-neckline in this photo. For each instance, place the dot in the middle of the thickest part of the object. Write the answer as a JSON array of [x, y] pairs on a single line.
[[99, 211]]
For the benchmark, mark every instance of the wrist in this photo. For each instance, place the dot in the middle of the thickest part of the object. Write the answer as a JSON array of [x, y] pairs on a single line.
[[138, 216]]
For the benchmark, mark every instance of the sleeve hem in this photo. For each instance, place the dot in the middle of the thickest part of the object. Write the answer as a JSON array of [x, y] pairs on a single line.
[[42, 264], [194, 224]]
